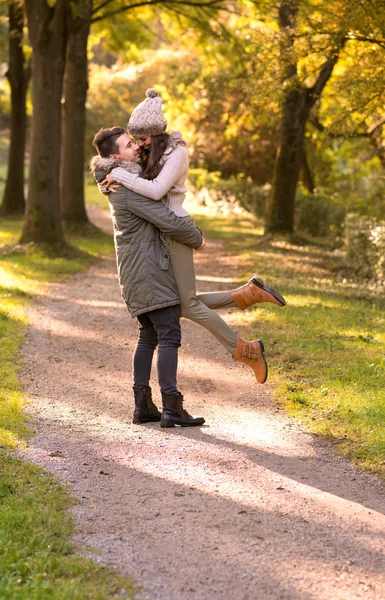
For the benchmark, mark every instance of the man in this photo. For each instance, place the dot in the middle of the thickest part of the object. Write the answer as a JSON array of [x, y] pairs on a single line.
[[146, 279]]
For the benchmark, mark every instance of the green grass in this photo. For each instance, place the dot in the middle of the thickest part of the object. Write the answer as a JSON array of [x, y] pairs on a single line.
[[37, 559], [93, 196], [325, 349]]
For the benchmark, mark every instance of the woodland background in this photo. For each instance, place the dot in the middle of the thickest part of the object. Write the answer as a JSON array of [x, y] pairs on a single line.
[[281, 103]]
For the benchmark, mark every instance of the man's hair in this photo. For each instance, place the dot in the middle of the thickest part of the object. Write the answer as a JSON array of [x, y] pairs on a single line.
[[105, 140]]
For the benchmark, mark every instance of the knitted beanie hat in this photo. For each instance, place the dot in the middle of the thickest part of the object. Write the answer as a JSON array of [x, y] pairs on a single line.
[[147, 118]]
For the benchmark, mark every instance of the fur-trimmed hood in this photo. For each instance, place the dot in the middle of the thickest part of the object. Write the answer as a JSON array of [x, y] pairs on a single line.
[[105, 165], [175, 139]]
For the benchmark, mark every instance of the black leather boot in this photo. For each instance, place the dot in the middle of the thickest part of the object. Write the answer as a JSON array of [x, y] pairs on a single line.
[[174, 413], [145, 410]]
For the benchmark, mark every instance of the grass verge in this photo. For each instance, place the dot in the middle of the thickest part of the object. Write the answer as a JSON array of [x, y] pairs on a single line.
[[93, 195], [325, 349], [38, 561]]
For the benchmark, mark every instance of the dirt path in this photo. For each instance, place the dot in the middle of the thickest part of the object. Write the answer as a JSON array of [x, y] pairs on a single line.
[[248, 507]]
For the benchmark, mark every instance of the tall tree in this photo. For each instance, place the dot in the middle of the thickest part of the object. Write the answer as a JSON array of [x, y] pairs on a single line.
[[18, 75], [298, 99], [72, 201], [84, 14], [47, 32], [309, 31]]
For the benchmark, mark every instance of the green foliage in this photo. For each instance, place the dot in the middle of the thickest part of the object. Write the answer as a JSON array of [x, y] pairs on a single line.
[[348, 171], [120, 37], [315, 214], [112, 96], [318, 215], [37, 559], [24, 273], [221, 82], [365, 244], [3, 31], [235, 191]]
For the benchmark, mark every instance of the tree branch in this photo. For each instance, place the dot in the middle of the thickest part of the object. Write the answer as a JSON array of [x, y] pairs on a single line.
[[325, 74], [210, 3], [102, 5], [376, 125], [363, 38], [314, 120]]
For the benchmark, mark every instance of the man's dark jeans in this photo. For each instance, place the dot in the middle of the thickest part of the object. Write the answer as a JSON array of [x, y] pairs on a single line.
[[158, 328]]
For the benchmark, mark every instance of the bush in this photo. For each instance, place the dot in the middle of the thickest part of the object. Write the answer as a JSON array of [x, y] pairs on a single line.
[[318, 215], [365, 246], [236, 191]]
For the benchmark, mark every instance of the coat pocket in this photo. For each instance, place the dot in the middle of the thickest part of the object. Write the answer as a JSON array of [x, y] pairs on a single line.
[[164, 260], [162, 253]]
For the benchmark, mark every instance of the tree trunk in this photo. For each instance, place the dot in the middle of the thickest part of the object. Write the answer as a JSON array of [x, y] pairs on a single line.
[[297, 102], [18, 76], [47, 27], [280, 215], [307, 175], [72, 199], [286, 173]]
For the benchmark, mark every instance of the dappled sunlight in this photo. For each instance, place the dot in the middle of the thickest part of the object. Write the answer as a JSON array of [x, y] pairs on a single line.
[[307, 300], [99, 303], [60, 328], [7, 237], [255, 429], [10, 229], [14, 310], [246, 485], [296, 263], [189, 363], [226, 461], [10, 278], [214, 279], [227, 475], [252, 317], [155, 490]]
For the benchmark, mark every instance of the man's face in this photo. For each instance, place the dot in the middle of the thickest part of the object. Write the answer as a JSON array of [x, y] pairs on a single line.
[[127, 149], [144, 142]]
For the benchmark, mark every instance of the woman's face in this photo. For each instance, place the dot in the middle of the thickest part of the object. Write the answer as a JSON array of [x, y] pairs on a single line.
[[144, 142]]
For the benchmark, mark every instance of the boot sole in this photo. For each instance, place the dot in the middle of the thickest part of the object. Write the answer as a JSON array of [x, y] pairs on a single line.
[[262, 347], [259, 283], [166, 424], [142, 421]]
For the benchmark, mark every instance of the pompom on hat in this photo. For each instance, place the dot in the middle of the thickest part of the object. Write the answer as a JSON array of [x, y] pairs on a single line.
[[147, 118]]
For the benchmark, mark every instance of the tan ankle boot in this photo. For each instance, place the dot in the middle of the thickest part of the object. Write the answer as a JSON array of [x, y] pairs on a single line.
[[251, 354], [255, 291]]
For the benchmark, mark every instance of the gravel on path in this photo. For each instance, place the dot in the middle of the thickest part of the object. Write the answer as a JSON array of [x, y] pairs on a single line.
[[247, 507]]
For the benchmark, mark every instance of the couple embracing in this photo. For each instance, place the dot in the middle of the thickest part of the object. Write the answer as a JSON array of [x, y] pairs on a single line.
[[155, 236]]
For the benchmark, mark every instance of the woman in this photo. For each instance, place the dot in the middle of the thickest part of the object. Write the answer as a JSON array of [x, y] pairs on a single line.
[[164, 171]]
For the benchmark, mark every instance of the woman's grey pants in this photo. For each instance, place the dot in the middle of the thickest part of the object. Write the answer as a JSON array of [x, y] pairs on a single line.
[[198, 308]]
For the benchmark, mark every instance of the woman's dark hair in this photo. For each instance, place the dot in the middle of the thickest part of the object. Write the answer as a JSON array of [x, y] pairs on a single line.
[[150, 159]]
